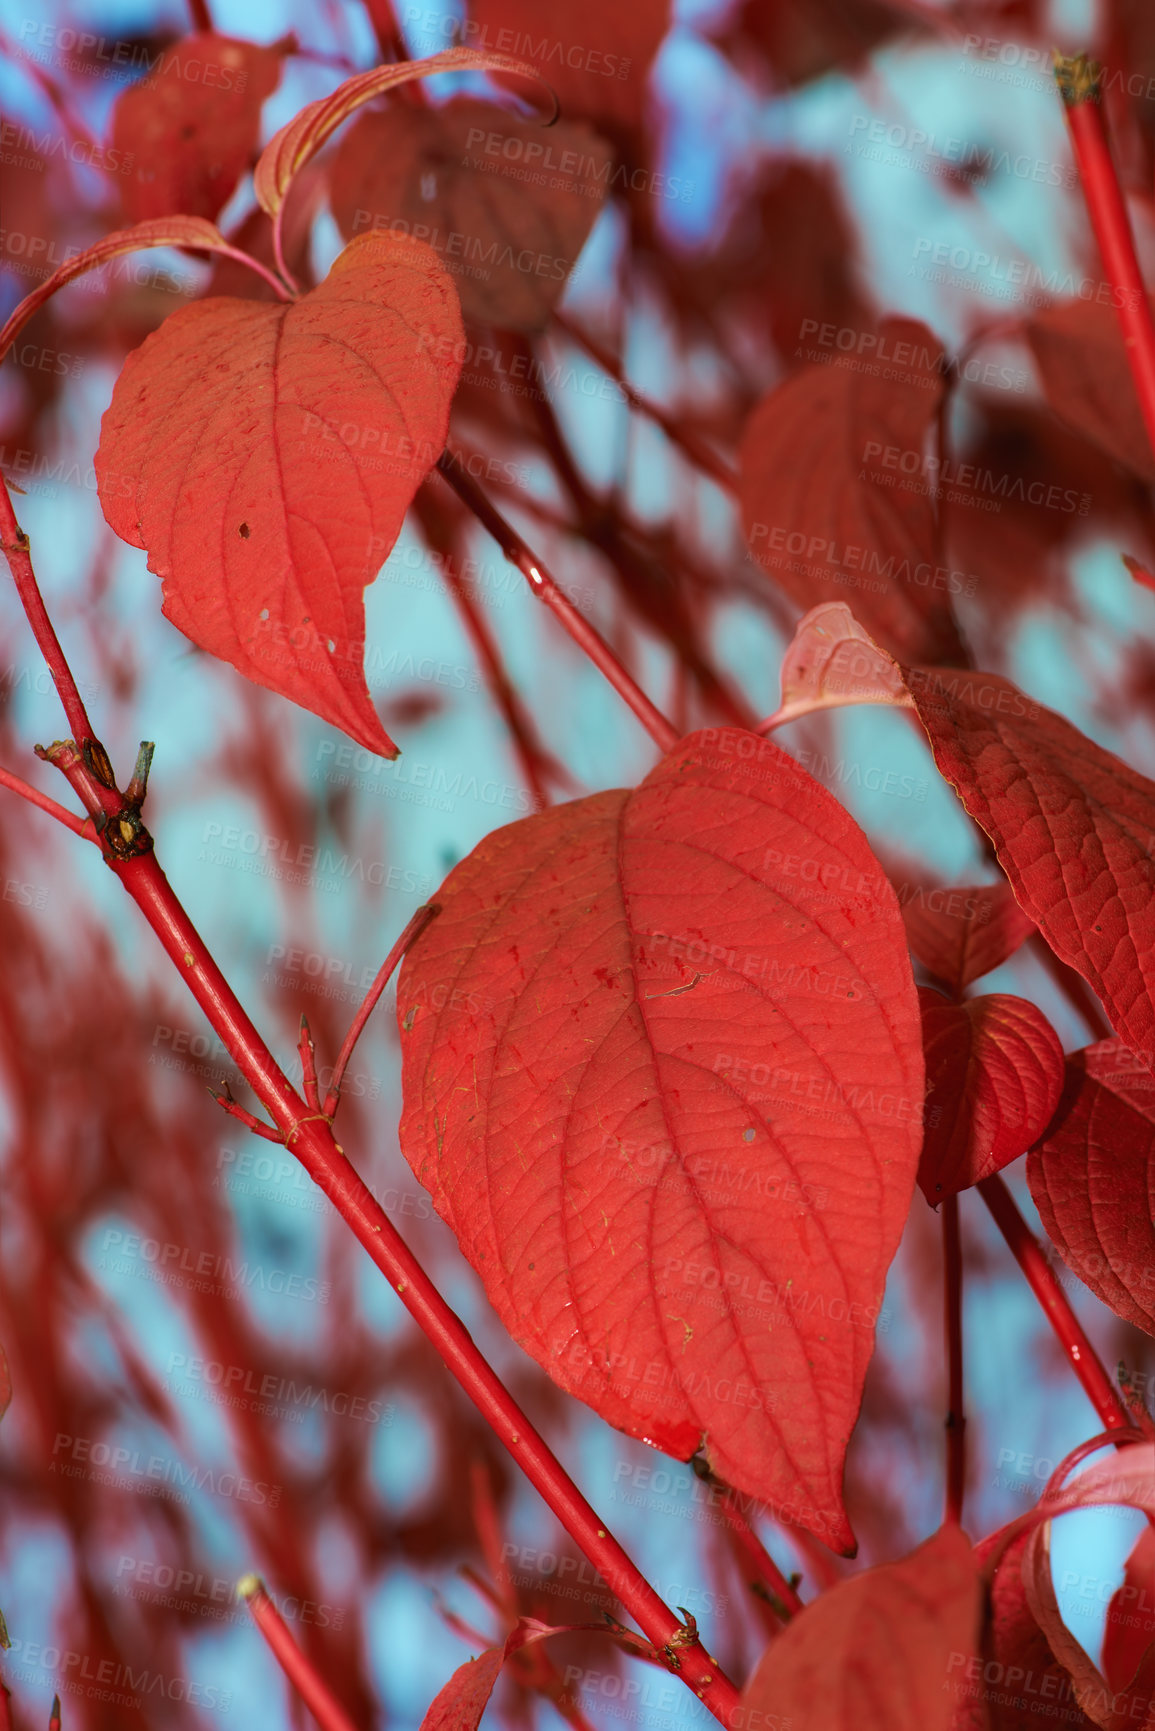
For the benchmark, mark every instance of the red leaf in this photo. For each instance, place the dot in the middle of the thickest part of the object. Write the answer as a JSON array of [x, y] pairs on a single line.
[[289, 149], [1017, 1681], [595, 54], [508, 226], [265, 457], [671, 1105], [1111, 1710], [187, 231], [462, 1701], [960, 934], [1130, 1628], [1139, 571], [818, 512], [192, 126], [1078, 349], [1073, 827], [800, 43], [1093, 1176], [879, 1650], [831, 661], [994, 1070]]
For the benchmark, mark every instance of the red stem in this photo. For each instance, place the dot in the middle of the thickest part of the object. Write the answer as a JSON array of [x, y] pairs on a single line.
[[384, 974], [956, 1424], [15, 547], [202, 19], [310, 1136], [1083, 1358], [1078, 80], [297, 1666], [543, 585], [81, 826]]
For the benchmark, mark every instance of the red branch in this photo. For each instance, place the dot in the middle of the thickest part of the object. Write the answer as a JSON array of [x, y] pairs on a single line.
[[1078, 81], [297, 1666], [1084, 1360], [544, 586], [81, 826], [127, 849], [956, 1424]]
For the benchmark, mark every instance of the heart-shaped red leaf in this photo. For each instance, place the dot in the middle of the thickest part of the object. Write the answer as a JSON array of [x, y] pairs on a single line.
[[192, 125], [816, 459], [881, 1650], [671, 1102], [994, 1071], [507, 207], [265, 457], [1073, 826], [965, 931], [1093, 1176]]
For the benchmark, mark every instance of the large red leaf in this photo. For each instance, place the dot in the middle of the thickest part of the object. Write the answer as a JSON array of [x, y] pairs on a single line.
[[507, 206], [671, 1106], [1078, 349], [828, 503], [878, 1652], [265, 457], [192, 125], [1093, 1177], [961, 933], [994, 1071], [1073, 827]]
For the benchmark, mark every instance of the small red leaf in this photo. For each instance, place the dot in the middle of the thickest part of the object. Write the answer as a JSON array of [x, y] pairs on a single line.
[[1093, 1176], [994, 1070], [507, 209], [1073, 826], [189, 231], [671, 1105], [289, 149], [817, 508], [265, 457], [459, 1705], [192, 125], [961, 933], [883, 1649], [1130, 1629], [832, 661], [1139, 571]]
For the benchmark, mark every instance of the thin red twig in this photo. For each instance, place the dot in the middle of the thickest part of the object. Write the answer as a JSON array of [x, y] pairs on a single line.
[[956, 1424], [1083, 1358], [297, 1666], [1078, 81], [384, 974], [15, 547], [81, 826], [544, 586]]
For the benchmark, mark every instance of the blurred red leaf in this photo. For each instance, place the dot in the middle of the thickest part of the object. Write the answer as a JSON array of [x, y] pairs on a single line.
[[994, 1070], [961, 933], [677, 1027], [1073, 826], [460, 1704], [878, 1650], [800, 43], [594, 54], [817, 510], [507, 230], [193, 125], [265, 456], [1093, 1176], [1139, 571], [1078, 349]]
